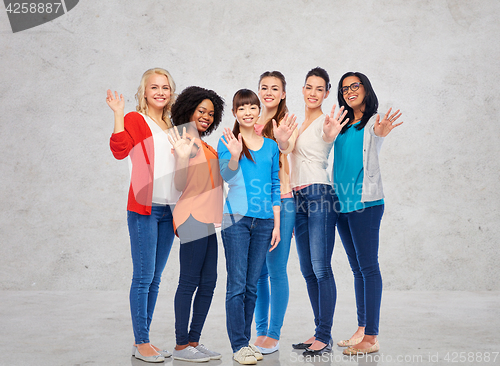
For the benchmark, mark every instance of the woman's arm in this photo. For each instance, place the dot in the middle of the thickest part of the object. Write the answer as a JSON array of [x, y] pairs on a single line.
[[275, 239], [117, 104], [234, 146], [122, 140], [276, 199]]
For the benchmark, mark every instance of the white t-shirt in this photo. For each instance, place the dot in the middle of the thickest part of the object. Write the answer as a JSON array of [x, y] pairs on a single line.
[[164, 191]]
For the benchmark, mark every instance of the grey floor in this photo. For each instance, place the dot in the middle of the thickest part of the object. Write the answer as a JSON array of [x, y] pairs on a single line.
[[75, 328]]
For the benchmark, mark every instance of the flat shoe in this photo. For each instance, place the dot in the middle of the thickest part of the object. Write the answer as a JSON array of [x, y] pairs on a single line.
[[350, 342], [162, 352], [267, 351], [301, 345], [156, 358], [311, 352], [357, 351]]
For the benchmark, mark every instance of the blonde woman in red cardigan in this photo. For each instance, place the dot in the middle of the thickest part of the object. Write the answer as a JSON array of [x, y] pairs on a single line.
[[142, 136]]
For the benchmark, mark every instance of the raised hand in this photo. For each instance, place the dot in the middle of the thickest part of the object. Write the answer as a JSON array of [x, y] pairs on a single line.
[[116, 103], [283, 132], [333, 124], [182, 146], [233, 144], [385, 126]]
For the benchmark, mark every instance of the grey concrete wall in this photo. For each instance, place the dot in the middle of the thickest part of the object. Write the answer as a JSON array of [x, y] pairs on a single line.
[[63, 195]]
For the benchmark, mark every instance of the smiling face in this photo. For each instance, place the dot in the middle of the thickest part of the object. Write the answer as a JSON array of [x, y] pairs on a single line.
[[247, 115], [314, 92], [271, 92], [157, 91], [354, 99], [203, 116]]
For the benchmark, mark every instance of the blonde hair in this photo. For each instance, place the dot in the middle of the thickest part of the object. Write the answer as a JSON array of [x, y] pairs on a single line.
[[142, 104]]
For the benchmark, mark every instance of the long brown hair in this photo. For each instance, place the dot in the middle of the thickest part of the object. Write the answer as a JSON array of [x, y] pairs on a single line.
[[242, 97], [267, 131]]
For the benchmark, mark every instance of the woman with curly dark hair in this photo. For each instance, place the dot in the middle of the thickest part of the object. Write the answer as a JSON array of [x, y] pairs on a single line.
[[198, 112]]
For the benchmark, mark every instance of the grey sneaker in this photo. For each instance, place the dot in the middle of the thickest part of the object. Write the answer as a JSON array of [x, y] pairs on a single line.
[[190, 354], [245, 356], [213, 355]]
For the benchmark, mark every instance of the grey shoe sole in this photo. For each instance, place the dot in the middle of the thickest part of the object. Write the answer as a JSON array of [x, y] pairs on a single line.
[[206, 359]]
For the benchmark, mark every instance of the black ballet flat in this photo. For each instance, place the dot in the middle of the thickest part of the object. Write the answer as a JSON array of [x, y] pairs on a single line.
[[301, 345], [325, 349]]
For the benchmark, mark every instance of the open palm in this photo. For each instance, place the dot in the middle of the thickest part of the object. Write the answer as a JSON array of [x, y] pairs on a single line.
[[182, 145], [333, 123], [382, 128], [116, 103], [285, 129], [233, 144]]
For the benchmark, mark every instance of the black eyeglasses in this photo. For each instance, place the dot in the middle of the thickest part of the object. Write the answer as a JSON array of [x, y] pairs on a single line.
[[353, 86]]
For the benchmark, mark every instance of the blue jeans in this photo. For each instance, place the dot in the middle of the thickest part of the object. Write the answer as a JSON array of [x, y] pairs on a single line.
[[315, 237], [246, 242], [274, 271], [359, 231], [198, 272], [151, 238]]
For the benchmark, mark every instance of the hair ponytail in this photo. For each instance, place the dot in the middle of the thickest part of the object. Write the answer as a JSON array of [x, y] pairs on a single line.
[[244, 151]]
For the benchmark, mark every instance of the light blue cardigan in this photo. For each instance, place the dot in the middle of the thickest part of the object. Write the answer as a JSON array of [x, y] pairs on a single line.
[[372, 179]]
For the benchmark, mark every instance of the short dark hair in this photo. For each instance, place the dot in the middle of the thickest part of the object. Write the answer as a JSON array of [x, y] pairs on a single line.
[[189, 99], [318, 71], [370, 101]]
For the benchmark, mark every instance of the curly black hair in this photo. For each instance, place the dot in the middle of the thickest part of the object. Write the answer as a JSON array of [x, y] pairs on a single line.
[[189, 99]]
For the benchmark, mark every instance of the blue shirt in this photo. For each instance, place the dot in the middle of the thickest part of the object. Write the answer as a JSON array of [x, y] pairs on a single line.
[[348, 170], [254, 188]]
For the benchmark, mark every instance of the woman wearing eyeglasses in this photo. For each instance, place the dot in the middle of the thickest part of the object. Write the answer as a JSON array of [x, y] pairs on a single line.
[[358, 184]]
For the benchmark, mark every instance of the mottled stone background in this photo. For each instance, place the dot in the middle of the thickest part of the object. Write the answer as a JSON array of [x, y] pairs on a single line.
[[63, 195]]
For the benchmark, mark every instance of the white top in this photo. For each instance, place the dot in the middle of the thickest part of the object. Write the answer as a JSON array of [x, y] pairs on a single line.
[[309, 158], [164, 191]]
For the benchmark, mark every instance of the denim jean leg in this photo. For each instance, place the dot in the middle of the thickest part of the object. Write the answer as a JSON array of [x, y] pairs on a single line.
[[165, 239], [262, 303], [236, 241], [198, 272], [245, 248], [344, 230], [365, 228], [315, 230], [205, 292], [260, 242], [149, 255], [277, 261], [304, 253]]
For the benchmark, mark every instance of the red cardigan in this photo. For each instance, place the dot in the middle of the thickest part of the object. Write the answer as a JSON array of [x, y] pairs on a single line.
[[137, 141]]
